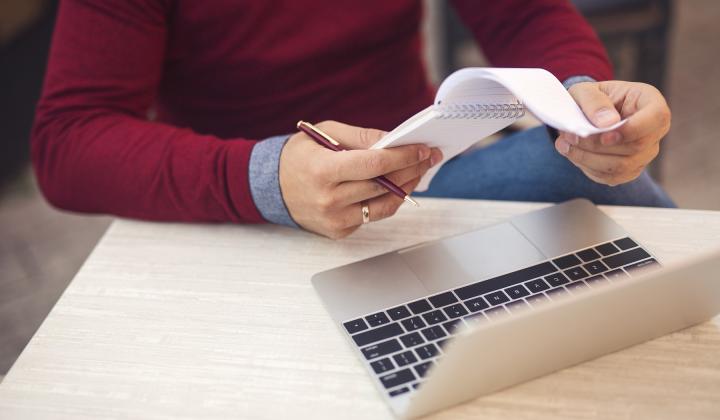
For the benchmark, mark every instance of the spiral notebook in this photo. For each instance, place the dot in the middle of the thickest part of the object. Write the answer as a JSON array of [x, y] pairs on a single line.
[[474, 103]]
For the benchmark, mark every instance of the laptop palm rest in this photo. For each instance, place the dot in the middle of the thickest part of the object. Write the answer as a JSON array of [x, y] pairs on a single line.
[[470, 257]]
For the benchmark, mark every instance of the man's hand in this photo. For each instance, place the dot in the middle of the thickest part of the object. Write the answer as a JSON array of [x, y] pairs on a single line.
[[323, 189], [617, 156]]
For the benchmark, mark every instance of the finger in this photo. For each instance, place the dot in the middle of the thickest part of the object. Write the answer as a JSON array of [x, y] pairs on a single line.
[[595, 104], [342, 233], [380, 207], [599, 144], [355, 165], [609, 165], [651, 120], [351, 137], [351, 192], [643, 105]]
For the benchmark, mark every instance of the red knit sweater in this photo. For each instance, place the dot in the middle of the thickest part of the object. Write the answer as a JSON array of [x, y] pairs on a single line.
[[220, 74]]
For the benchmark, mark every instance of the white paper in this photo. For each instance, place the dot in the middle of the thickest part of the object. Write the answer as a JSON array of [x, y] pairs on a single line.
[[537, 89]]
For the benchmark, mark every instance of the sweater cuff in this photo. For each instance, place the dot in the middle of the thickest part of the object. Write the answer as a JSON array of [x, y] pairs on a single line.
[[577, 79], [263, 172]]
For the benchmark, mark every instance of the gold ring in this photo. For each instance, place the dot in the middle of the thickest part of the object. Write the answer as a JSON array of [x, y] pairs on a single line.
[[365, 212]]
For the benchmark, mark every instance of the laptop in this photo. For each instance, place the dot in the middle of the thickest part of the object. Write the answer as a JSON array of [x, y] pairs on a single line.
[[451, 320]]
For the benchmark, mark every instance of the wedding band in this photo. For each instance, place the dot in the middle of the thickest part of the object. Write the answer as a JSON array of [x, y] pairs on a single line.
[[365, 212]]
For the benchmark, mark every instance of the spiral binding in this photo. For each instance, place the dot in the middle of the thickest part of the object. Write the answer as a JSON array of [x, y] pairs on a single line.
[[480, 111]]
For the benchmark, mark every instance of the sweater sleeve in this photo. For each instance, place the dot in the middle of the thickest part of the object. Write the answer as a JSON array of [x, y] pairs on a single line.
[[549, 34], [93, 148]]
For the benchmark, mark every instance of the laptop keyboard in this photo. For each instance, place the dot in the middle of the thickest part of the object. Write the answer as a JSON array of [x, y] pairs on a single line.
[[401, 343]]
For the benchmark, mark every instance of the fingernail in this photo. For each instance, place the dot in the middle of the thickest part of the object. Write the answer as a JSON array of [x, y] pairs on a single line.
[[606, 116], [435, 157], [562, 146], [424, 153]]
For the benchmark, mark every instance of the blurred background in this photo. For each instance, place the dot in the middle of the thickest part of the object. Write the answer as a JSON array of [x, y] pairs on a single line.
[[670, 44]]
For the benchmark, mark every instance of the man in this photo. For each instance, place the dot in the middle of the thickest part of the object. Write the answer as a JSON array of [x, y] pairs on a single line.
[[228, 79]]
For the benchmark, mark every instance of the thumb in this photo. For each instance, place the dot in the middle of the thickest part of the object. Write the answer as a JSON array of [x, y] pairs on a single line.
[[596, 105]]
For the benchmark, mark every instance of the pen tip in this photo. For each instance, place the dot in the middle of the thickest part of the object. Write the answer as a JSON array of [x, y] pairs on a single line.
[[411, 201]]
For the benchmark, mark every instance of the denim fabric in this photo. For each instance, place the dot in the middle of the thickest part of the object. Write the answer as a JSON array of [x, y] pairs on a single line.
[[526, 167]]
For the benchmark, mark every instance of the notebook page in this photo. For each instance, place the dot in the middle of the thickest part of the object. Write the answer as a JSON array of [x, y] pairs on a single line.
[[533, 89], [451, 136], [537, 89]]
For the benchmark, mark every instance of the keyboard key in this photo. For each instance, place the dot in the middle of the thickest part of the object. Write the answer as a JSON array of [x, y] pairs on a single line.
[[427, 351], [640, 267], [382, 365], [381, 349], [398, 312], [422, 368], [414, 323], [536, 286], [399, 391], [617, 274], [496, 312], [377, 334], [411, 340], [434, 317], [453, 325], [625, 258], [507, 280], [496, 298], [517, 291], [441, 343], [377, 319], [538, 299], [588, 255], [397, 378], [557, 293], [356, 325], [566, 262], [596, 281], [416, 385], [433, 333], [475, 318], [556, 279], [595, 267], [517, 306], [419, 306], [477, 304], [443, 299], [577, 286], [607, 249], [454, 311], [625, 243], [405, 358], [576, 273]]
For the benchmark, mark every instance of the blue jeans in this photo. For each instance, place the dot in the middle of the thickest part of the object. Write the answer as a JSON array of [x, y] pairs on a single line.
[[526, 167]]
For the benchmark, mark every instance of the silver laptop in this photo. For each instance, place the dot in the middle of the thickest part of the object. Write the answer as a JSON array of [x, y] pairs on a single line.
[[447, 321]]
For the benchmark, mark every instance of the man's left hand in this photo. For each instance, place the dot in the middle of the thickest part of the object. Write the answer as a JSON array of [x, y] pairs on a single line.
[[618, 156]]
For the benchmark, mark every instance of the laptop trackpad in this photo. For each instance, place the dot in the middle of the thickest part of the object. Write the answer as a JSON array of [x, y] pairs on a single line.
[[471, 257]]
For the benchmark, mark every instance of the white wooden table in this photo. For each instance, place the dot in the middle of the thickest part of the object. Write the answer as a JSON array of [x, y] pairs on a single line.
[[217, 321]]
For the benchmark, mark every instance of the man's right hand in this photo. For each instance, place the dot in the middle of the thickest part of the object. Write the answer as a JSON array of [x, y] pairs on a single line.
[[323, 190]]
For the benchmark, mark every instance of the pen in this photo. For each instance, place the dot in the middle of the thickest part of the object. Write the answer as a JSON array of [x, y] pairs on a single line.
[[328, 142]]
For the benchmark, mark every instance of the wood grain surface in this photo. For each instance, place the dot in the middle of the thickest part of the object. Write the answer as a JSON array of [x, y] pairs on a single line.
[[170, 321]]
